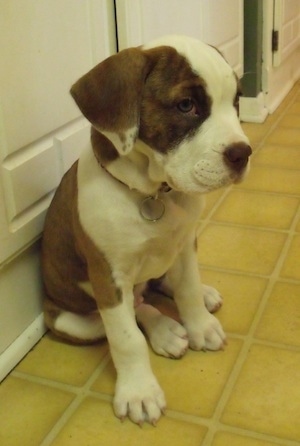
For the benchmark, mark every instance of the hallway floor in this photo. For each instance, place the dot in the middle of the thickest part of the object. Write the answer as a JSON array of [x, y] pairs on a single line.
[[247, 395]]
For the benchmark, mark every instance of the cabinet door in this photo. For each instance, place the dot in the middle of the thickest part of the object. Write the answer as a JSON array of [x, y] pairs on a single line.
[[45, 46], [287, 25], [217, 22]]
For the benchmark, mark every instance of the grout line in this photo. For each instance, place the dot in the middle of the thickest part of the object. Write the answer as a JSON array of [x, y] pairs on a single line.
[[83, 392]]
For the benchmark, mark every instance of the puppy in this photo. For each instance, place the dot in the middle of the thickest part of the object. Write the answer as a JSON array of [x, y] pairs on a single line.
[[165, 130]]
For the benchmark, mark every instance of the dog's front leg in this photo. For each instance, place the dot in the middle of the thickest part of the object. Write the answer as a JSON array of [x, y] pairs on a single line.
[[137, 393], [204, 330]]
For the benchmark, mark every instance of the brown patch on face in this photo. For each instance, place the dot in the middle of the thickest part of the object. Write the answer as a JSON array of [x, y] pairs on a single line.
[[163, 124], [239, 93], [104, 150]]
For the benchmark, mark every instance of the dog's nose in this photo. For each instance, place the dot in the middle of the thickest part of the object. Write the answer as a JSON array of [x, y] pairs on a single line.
[[236, 155]]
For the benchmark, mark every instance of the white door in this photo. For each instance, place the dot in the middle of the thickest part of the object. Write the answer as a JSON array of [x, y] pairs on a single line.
[[45, 45], [286, 29], [217, 22]]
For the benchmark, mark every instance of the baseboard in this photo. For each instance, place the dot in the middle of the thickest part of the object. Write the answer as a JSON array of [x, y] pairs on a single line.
[[253, 109], [274, 102], [21, 346]]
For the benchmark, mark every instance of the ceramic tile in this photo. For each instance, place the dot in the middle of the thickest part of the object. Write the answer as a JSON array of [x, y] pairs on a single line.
[[28, 411], [94, 424], [59, 361], [265, 398], [255, 132], [201, 376], [270, 179], [280, 321], [294, 109], [241, 297], [210, 201], [291, 120], [105, 383], [228, 439], [284, 157], [285, 136], [291, 266], [241, 249], [257, 209]]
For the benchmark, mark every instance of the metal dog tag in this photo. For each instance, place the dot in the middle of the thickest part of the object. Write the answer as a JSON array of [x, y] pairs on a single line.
[[152, 208]]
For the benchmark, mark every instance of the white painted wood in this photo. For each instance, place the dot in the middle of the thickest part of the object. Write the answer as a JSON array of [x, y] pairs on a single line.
[[45, 46], [38, 67], [21, 346], [287, 23], [253, 109], [276, 80], [217, 22]]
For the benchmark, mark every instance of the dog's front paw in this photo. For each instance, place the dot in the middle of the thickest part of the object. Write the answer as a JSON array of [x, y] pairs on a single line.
[[212, 298], [167, 337], [140, 398], [207, 335]]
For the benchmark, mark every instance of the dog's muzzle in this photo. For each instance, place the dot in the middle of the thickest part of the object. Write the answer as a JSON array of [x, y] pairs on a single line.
[[236, 156]]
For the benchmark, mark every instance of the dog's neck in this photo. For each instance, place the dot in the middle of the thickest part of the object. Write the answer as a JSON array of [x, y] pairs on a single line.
[[138, 170], [164, 187]]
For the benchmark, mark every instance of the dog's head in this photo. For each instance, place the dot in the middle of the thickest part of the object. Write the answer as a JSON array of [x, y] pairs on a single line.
[[167, 111]]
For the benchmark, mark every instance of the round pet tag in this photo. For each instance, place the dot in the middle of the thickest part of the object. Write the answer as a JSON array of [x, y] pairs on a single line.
[[152, 209]]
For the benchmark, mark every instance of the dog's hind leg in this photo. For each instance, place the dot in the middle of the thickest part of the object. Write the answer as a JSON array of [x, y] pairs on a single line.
[[212, 298], [73, 327], [167, 337]]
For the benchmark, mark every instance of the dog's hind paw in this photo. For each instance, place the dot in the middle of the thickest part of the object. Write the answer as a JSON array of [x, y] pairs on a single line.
[[212, 298], [208, 334], [167, 337]]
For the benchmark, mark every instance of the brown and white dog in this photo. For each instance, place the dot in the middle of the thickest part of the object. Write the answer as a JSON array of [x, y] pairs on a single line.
[[165, 130]]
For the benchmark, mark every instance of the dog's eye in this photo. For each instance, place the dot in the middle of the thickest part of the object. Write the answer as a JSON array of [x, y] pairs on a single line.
[[187, 106]]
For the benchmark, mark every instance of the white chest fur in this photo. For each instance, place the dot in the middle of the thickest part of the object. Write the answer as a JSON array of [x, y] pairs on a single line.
[[110, 214]]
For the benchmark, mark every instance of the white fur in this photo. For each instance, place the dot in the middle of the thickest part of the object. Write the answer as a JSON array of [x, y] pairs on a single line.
[[89, 327], [138, 393]]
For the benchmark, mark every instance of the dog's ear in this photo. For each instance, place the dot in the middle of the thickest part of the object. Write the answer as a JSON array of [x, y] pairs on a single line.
[[109, 96]]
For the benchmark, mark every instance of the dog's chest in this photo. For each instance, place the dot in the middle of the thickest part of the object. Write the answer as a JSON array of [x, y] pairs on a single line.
[[111, 215]]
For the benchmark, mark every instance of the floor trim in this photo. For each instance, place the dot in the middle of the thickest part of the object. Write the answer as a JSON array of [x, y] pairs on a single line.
[[21, 346]]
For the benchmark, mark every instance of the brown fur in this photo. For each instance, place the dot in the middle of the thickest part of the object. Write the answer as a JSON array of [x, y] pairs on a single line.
[[104, 150], [69, 256]]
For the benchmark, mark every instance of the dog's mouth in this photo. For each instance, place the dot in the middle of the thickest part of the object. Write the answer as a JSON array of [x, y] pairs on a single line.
[[207, 181]]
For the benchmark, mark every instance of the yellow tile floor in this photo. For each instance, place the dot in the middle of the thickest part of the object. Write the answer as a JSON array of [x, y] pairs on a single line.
[[247, 395]]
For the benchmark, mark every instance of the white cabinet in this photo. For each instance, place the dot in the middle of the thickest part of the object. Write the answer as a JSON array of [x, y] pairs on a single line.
[[280, 66], [45, 46], [287, 27], [217, 22]]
